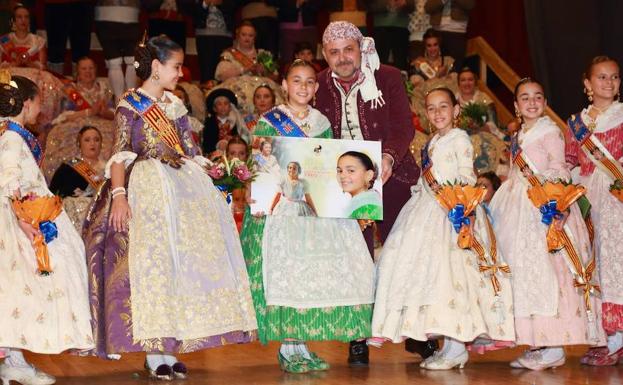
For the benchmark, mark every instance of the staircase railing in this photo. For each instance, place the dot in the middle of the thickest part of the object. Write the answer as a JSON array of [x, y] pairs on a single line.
[[489, 60]]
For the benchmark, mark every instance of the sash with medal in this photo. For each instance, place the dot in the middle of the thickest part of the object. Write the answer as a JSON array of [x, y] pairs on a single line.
[[7, 46], [583, 275], [86, 171], [29, 138], [76, 98], [243, 59], [592, 146], [156, 119], [250, 121], [491, 267], [283, 124]]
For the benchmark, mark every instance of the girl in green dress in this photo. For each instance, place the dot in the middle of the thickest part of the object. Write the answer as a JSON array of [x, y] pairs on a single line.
[[303, 287], [356, 174]]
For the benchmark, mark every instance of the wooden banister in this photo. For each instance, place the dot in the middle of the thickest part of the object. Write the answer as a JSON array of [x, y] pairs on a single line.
[[489, 60]]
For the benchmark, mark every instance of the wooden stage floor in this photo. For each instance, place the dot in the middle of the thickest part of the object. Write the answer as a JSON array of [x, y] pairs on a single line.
[[391, 365]]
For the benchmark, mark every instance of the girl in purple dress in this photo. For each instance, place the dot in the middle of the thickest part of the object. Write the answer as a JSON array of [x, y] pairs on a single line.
[[166, 268]]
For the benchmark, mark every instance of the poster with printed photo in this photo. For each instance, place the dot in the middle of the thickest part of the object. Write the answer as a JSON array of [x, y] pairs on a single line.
[[317, 177]]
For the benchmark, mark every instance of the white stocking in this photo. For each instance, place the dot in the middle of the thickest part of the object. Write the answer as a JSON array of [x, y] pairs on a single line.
[[552, 353], [115, 76], [169, 359], [452, 348], [130, 72], [615, 342], [15, 358], [288, 349], [154, 360]]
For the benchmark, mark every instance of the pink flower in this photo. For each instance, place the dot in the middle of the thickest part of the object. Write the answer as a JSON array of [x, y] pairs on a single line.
[[242, 173], [31, 196], [216, 172]]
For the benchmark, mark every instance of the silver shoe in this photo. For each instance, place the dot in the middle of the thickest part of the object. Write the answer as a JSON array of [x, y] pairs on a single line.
[[443, 363]]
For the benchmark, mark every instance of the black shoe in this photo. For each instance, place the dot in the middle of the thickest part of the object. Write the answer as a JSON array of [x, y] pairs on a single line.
[[423, 348], [358, 354]]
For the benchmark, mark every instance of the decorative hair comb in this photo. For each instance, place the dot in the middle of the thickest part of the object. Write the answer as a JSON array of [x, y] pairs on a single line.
[[5, 78]]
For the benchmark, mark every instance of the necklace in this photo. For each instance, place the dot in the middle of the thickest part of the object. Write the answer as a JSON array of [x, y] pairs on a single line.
[[593, 120], [600, 110], [298, 114]]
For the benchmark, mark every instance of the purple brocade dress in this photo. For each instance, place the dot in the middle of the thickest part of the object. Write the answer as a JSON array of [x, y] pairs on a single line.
[[176, 281]]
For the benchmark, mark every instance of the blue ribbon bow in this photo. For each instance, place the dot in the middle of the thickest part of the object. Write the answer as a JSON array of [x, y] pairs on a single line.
[[226, 193], [457, 217], [49, 231], [549, 212]]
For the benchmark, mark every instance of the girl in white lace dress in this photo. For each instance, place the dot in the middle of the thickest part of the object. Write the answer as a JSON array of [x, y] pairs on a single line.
[[455, 300], [43, 314]]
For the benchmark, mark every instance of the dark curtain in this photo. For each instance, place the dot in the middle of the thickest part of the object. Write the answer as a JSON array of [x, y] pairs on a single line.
[[502, 24], [564, 36]]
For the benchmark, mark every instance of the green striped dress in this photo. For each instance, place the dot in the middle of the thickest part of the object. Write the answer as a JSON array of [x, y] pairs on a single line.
[[275, 323]]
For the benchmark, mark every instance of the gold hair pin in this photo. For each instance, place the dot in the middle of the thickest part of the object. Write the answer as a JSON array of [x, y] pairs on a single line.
[[5, 78], [143, 40]]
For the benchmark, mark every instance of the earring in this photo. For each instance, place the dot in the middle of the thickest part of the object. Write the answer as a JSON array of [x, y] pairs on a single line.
[[314, 100], [517, 113], [618, 96], [589, 94], [156, 76]]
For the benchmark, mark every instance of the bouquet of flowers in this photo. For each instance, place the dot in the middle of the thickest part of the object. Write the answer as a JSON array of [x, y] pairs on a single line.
[[552, 199], [40, 212], [461, 200], [616, 189], [266, 59], [473, 116], [228, 175]]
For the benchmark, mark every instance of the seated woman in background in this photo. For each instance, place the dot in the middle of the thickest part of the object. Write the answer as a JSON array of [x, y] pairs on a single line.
[[77, 180], [469, 93], [433, 65], [87, 96], [21, 48], [87, 101], [24, 54], [244, 59]]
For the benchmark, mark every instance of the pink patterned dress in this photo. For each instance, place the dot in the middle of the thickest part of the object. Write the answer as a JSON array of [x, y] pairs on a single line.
[[606, 210], [548, 309]]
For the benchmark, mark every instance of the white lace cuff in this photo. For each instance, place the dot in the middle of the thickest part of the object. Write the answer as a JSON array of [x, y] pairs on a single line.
[[202, 161], [63, 117], [554, 176], [125, 157]]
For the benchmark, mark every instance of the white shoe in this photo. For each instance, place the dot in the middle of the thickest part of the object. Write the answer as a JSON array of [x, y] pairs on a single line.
[[538, 362], [516, 364], [443, 363], [25, 375]]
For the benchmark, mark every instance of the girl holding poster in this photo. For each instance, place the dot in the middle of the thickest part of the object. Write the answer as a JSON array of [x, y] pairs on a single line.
[[303, 287]]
